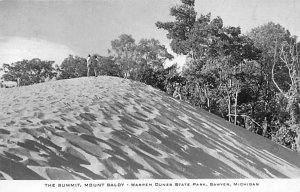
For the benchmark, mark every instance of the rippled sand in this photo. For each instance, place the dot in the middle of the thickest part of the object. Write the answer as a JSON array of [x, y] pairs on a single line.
[[112, 128]]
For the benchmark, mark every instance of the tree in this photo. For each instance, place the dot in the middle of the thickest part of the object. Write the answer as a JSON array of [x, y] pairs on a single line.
[[135, 59], [73, 67], [178, 30], [267, 38], [217, 52], [107, 66], [151, 53], [280, 88], [290, 99], [29, 71], [123, 50]]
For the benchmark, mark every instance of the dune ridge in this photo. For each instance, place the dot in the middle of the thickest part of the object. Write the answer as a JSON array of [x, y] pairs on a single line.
[[113, 128]]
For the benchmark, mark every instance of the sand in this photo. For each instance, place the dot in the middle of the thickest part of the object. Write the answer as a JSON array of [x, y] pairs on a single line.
[[113, 128]]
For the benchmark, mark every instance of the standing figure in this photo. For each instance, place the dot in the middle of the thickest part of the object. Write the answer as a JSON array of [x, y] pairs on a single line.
[[18, 81], [177, 91], [97, 65], [88, 64]]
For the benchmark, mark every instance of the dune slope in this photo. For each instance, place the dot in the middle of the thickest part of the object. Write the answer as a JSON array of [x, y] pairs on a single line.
[[112, 128]]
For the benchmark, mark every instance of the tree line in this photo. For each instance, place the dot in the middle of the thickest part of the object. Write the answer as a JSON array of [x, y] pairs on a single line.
[[142, 61], [251, 80]]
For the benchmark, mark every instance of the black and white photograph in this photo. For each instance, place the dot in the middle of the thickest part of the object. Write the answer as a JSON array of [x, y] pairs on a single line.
[[150, 95]]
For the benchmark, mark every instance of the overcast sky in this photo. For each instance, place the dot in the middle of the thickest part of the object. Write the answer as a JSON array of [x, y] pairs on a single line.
[[51, 30]]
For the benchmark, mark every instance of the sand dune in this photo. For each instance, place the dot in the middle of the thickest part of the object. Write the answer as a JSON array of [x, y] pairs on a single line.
[[112, 128]]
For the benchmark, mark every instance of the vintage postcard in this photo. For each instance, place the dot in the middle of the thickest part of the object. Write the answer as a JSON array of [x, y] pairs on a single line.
[[149, 95]]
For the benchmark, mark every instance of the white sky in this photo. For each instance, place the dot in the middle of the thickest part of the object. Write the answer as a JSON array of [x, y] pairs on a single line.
[[53, 29]]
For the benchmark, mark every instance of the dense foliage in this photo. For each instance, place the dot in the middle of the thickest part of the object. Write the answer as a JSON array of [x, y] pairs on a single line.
[[73, 67], [29, 71], [252, 80]]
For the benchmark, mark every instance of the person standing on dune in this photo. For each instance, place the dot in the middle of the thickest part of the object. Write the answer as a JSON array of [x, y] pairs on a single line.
[[18, 81], [88, 64], [97, 66]]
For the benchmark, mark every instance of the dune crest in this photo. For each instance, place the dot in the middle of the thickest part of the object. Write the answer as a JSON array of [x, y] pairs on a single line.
[[112, 128]]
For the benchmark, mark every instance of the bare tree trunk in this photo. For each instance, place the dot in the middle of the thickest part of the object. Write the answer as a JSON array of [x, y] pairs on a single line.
[[235, 107], [297, 139], [208, 100], [229, 101], [229, 106], [208, 104], [265, 127], [273, 68]]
